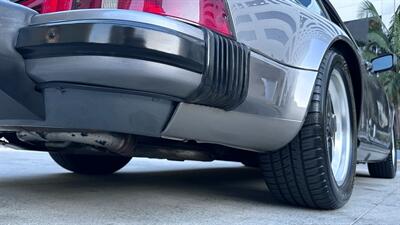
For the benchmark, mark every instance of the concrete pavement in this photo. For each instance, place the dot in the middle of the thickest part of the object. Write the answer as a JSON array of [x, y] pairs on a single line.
[[34, 190]]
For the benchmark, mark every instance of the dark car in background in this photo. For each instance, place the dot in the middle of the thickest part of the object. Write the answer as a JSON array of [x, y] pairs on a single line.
[[276, 84]]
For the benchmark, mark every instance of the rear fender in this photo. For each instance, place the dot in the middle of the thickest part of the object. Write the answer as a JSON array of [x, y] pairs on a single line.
[[17, 91], [284, 31]]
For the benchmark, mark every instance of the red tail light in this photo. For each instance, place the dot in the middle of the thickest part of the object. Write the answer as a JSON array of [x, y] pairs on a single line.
[[212, 14], [33, 4]]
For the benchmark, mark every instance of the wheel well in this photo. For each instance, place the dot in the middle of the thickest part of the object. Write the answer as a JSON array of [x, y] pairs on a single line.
[[354, 66]]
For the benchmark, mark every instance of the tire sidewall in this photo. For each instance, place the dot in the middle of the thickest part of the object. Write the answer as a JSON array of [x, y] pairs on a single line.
[[393, 145], [336, 61]]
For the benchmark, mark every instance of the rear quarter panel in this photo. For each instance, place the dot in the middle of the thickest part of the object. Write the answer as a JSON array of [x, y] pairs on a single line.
[[284, 31]]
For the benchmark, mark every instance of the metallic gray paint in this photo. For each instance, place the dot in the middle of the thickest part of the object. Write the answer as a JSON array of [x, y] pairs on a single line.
[[230, 128], [284, 31], [276, 90], [17, 96], [290, 41], [133, 74], [377, 118], [289, 34], [269, 118]]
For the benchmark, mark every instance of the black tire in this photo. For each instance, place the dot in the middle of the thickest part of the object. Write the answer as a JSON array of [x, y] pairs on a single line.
[[300, 173], [251, 163], [387, 168], [90, 164]]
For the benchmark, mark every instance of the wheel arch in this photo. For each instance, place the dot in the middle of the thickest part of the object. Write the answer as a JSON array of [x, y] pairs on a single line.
[[348, 51]]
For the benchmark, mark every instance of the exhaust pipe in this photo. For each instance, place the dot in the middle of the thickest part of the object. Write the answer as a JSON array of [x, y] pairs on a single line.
[[117, 143]]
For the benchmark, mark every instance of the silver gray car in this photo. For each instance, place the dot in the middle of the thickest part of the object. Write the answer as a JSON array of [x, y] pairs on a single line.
[[276, 84]]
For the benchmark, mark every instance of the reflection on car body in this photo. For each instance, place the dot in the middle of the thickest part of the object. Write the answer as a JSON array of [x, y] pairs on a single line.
[[277, 84]]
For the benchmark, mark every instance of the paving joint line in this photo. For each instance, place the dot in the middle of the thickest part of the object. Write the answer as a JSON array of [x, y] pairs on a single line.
[[373, 207]]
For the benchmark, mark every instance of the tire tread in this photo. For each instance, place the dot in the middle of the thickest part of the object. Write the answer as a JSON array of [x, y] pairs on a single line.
[[305, 178], [89, 164]]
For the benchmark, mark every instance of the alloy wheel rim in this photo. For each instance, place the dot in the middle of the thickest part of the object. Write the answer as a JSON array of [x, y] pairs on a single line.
[[338, 127]]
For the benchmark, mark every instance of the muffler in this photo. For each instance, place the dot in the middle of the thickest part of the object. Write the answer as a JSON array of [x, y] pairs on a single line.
[[117, 143]]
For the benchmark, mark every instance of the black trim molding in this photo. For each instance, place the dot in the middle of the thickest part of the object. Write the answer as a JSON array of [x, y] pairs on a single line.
[[226, 79], [139, 41]]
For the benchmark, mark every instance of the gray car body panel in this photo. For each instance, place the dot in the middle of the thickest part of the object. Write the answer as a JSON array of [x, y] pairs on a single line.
[[277, 93], [284, 31], [172, 81], [76, 106], [377, 119], [268, 119], [287, 41], [16, 89], [149, 76], [287, 33]]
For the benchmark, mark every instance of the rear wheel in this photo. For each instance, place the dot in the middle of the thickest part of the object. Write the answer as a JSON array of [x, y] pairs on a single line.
[[317, 168], [90, 164], [387, 168], [251, 163]]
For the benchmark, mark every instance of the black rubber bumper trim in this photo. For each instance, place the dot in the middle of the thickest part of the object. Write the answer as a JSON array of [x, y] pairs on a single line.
[[223, 62], [226, 79], [113, 38]]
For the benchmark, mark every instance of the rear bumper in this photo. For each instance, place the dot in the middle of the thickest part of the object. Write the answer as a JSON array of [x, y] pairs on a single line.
[[198, 66], [117, 54], [137, 73]]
